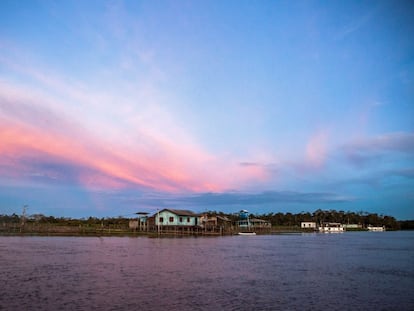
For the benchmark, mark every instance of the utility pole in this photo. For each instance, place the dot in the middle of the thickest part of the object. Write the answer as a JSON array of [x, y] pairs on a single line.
[[158, 216], [23, 217]]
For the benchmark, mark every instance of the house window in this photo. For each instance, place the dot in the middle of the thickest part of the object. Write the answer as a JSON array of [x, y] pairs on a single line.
[[181, 219], [188, 219], [161, 219], [171, 219]]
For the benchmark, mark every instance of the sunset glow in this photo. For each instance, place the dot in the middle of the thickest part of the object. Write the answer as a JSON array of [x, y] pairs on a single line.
[[145, 106]]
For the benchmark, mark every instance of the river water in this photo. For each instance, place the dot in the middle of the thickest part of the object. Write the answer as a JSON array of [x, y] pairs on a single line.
[[353, 270]]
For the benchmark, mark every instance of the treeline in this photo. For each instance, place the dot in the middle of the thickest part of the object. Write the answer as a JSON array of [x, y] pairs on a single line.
[[361, 218], [65, 221], [319, 216], [276, 219], [406, 224]]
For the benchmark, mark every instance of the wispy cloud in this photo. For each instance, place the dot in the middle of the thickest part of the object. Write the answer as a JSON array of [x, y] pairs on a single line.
[[366, 150], [316, 149], [237, 199], [39, 128], [400, 141], [379, 179], [355, 24]]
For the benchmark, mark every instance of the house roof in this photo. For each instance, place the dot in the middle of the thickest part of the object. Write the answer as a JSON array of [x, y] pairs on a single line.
[[180, 212], [224, 218]]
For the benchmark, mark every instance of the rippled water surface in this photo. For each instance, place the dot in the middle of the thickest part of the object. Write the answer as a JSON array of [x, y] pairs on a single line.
[[358, 271]]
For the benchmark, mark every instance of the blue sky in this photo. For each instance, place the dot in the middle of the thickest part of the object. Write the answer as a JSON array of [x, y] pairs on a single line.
[[113, 107]]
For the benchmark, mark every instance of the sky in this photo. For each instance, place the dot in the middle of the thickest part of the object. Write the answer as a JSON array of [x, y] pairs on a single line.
[[108, 108]]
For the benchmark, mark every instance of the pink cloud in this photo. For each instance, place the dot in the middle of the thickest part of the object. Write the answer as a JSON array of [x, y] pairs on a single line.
[[113, 140], [316, 149], [157, 163]]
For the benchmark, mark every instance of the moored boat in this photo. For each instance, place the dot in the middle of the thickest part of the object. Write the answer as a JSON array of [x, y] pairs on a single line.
[[247, 233], [376, 229]]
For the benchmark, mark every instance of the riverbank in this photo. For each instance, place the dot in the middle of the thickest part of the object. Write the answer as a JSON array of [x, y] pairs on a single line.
[[122, 232], [84, 230]]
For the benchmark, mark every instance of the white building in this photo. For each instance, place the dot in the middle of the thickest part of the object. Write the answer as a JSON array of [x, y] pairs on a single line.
[[308, 225], [331, 227], [175, 217]]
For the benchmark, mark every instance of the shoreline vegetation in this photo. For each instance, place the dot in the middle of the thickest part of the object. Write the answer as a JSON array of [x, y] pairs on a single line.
[[281, 223]]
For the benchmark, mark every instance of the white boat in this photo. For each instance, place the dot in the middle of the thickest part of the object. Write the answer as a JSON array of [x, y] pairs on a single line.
[[247, 233], [377, 229], [329, 227]]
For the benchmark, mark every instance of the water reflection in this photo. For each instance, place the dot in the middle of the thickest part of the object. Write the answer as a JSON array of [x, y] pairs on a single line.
[[280, 272]]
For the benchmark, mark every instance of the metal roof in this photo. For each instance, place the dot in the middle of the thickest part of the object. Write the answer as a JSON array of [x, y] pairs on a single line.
[[180, 212]]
